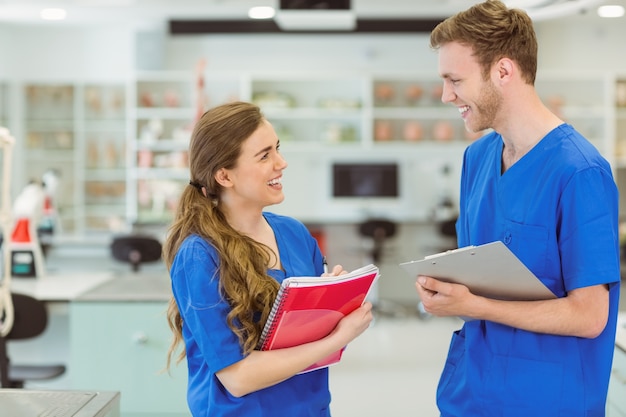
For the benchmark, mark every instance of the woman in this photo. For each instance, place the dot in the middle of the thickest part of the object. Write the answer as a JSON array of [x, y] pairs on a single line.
[[226, 258]]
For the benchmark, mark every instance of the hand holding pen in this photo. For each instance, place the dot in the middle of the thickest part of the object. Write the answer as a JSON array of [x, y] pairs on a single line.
[[337, 269]]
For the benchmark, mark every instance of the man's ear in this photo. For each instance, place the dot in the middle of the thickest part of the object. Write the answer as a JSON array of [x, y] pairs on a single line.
[[222, 178], [504, 69]]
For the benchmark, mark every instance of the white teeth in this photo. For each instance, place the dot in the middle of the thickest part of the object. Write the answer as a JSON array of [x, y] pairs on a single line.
[[463, 109], [274, 181]]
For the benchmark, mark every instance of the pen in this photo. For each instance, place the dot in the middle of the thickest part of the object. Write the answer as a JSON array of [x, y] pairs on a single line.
[[325, 265]]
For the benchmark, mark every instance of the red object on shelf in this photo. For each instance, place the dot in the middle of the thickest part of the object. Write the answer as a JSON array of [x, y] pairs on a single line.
[[21, 233]]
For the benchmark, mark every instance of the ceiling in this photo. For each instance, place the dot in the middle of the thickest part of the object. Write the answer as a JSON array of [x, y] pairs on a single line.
[[158, 11]]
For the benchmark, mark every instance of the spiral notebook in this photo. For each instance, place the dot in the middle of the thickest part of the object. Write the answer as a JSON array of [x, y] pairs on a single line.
[[308, 309]]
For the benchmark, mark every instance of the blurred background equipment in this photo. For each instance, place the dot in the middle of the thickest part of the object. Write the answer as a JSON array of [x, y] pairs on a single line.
[[6, 303], [26, 253], [136, 249]]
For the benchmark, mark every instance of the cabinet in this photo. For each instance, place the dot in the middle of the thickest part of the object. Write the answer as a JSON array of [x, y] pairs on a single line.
[[321, 119], [78, 131], [121, 346]]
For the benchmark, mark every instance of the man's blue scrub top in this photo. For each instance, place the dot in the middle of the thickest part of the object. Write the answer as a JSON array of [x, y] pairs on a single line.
[[556, 209]]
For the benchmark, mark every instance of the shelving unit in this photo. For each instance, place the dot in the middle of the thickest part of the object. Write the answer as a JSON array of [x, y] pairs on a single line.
[[407, 109], [104, 150], [312, 110], [78, 130], [161, 114], [85, 129], [50, 144], [162, 108], [325, 118]]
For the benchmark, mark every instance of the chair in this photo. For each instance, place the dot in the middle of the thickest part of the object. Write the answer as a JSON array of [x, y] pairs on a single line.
[[136, 249], [30, 320], [379, 230]]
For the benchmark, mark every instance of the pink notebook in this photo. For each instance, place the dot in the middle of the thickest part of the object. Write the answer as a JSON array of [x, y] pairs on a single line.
[[308, 309]]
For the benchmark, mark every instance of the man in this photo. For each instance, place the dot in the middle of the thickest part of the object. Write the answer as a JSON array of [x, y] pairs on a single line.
[[540, 187]]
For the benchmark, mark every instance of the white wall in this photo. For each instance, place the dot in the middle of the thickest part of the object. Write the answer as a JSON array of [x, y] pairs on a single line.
[[302, 52], [575, 43], [66, 53], [100, 52], [582, 43]]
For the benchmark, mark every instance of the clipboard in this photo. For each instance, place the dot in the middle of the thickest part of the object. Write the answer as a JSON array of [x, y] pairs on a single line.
[[490, 270]]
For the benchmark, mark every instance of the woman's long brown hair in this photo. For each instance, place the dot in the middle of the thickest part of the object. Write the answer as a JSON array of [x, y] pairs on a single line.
[[215, 144]]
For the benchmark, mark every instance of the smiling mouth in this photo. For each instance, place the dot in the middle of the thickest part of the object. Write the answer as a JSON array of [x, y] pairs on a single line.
[[463, 110], [275, 181]]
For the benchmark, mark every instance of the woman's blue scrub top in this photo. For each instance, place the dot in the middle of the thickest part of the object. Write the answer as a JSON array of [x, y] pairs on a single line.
[[212, 346], [556, 209]]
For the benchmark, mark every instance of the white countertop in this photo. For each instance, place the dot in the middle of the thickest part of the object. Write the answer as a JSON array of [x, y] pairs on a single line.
[[20, 402], [91, 274], [60, 286], [138, 286]]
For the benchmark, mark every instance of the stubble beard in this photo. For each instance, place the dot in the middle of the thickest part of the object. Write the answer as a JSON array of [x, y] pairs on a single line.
[[486, 107]]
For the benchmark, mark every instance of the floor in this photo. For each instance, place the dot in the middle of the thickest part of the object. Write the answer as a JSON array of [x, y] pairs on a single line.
[[394, 366]]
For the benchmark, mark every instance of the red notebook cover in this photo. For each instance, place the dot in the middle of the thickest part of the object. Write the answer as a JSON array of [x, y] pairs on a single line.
[[308, 309]]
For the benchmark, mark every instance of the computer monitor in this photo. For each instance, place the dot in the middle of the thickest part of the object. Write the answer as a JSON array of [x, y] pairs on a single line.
[[365, 180]]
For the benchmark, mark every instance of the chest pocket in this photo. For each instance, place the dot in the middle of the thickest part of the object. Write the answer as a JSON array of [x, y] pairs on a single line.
[[532, 246]]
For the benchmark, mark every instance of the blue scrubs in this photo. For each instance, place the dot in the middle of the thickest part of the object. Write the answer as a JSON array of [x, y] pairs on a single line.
[[556, 209], [212, 346]]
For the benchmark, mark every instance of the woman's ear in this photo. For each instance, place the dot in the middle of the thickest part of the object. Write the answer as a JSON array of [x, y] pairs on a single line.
[[222, 177]]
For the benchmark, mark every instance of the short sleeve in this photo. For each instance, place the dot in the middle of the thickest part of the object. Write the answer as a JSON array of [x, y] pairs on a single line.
[[195, 284], [588, 229]]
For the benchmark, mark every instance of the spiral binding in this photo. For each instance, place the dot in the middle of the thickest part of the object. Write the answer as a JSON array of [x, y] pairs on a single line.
[[272, 320]]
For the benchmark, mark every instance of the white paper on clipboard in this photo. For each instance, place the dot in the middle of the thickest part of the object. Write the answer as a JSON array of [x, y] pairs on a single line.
[[490, 270]]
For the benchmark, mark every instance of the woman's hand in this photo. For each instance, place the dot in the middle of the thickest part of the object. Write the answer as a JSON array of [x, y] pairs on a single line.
[[337, 270], [354, 324]]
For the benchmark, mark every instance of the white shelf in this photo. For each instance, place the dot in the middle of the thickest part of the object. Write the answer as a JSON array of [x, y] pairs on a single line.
[[322, 118], [78, 129]]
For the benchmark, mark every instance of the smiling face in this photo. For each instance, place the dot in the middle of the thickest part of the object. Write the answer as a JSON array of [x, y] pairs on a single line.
[[255, 181], [464, 85]]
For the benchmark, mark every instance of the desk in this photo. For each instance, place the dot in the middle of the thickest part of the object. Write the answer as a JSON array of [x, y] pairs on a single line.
[[19, 402], [119, 340], [108, 325]]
